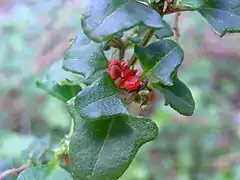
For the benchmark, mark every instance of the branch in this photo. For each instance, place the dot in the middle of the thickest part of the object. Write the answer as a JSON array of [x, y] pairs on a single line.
[[147, 37], [118, 43], [176, 26], [14, 171]]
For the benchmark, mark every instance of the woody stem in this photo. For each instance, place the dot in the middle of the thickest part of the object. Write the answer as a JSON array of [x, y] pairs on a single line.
[[118, 43], [14, 171], [147, 37]]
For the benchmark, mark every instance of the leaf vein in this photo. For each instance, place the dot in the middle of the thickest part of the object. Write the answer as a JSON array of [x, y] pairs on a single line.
[[101, 149], [107, 17], [112, 95]]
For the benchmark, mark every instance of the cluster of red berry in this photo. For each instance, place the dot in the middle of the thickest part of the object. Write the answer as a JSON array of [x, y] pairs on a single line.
[[120, 70]]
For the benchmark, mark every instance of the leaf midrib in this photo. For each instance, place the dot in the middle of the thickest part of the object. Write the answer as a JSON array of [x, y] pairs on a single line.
[[112, 95], [163, 58], [180, 99], [150, 71], [108, 16], [101, 149]]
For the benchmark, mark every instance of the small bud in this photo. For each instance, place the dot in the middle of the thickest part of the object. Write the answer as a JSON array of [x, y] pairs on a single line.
[[145, 107], [144, 92], [67, 160]]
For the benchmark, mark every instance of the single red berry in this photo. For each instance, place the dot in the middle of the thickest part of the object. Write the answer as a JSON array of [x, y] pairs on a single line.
[[131, 83], [115, 62], [115, 72], [127, 71], [114, 69], [67, 160]]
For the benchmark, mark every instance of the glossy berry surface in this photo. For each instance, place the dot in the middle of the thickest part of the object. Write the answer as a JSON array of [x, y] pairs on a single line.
[[129, 80]]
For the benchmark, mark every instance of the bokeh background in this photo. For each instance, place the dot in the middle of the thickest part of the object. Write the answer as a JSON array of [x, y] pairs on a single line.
[[34, 34]]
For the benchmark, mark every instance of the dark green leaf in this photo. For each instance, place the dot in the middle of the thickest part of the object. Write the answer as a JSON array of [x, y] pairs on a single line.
[[135, 40], [164, 32], [87, 68], [179, 97], [85, 57], [59, 83], [107, 17], [160, 60], [48, 172], [100, 100], [223, 15], [103, 150]]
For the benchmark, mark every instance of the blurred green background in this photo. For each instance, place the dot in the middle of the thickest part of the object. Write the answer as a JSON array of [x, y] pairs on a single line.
[[34, 34]]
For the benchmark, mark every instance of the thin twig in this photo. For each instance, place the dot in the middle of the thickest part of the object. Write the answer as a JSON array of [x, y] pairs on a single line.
[[176, 26], [130, 98], [147, 37], [118, 43], [14, 171], [177, 9]]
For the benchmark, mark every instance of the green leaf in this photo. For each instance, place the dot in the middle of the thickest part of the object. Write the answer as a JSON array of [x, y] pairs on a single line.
[[48, 172], [179, 97], [105, 18], [100, 100], [59, 83], [160, 60], [164, 32], [103, 150], [223, 15], [85, 57]]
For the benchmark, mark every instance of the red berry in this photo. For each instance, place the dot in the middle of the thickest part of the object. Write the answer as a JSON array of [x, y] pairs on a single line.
[[118, 69], [131, 83], [114, 62], [127, 71], [115, 72], [121, 84], [114, 69]]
